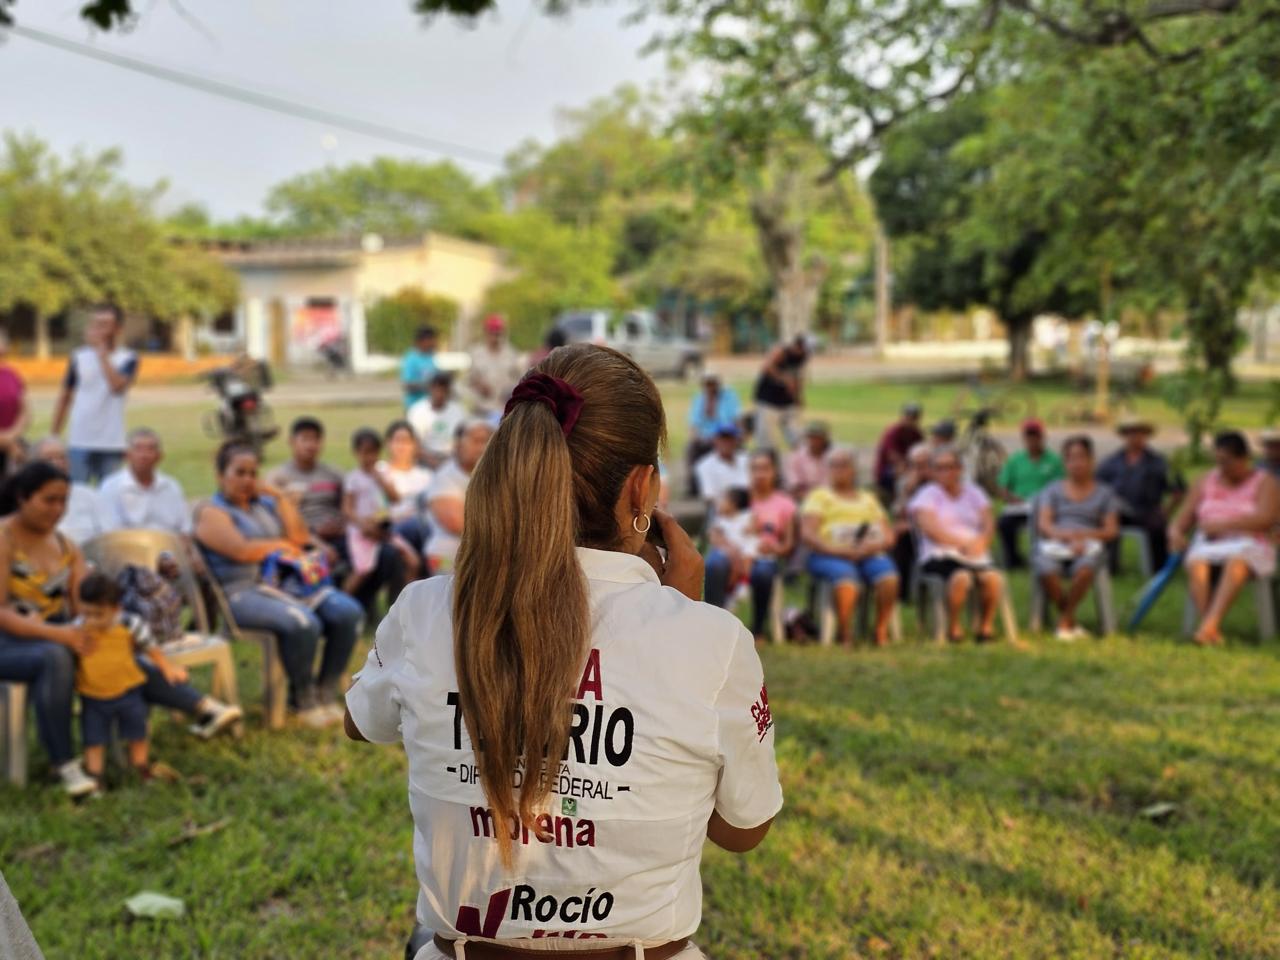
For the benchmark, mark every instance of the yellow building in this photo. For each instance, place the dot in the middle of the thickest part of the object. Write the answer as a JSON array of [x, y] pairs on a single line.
[[296, 294]]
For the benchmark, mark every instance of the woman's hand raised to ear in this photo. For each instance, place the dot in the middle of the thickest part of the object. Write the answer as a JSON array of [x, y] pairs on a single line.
[[683, 568]]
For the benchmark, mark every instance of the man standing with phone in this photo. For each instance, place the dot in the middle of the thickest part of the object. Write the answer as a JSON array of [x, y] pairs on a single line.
[[99, 375]]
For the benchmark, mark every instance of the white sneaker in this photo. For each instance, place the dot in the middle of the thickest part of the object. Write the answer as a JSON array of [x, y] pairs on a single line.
[[317, 718], [219, 718], [1066, 635], [1080, 633], [75, 781]]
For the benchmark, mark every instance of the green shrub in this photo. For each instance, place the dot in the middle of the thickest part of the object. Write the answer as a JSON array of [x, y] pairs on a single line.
[[392, 320]]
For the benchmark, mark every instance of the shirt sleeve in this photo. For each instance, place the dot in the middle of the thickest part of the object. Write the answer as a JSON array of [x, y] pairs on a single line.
[[814, 504], [143, 638], [748, 792], [374, 698], [1006, 474], [129, 367], [71, 379]]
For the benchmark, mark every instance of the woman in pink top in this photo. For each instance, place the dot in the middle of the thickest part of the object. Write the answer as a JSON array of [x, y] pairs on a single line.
[[956, 526], [1232, 508], [775, 516]]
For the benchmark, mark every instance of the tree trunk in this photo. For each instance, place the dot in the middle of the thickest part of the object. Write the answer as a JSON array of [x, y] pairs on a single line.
[[1019, 348], [796, 284]]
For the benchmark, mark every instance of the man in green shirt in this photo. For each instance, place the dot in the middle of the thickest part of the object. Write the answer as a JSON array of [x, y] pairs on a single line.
[[1023, 475]]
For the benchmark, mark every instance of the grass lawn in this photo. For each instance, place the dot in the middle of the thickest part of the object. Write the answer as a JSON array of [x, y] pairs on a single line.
[[965, 802]]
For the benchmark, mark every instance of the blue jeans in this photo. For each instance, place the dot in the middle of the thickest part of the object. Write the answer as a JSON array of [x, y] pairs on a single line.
[[159, 692], [90, 466], [415, 531], [298, 629], [763, 572], [48, 669], [867, 572]]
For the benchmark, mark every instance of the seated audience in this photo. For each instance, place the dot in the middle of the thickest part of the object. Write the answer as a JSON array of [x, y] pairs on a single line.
[[713, 407], [769, 520], [910, 480], [38, 643], [138, 496], [1147, 488], [1233, 509], [956, 528], [447, 495], [436, 419], [315, 488], [83, 517], [367, 498], [411, 480], [895, 443], [806, 468], [735, 535], [247, 529], [723, 468], [1076, 519], [848, 533], [1270, 459], [1024, 474]]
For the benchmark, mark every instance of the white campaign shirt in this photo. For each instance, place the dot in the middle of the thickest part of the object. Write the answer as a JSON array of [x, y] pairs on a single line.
[[96, 421], [450, 483], [717, 475], [436, 429], [671, 722], [128, 505]]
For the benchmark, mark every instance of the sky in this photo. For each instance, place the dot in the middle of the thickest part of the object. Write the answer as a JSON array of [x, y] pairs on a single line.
[[489, 87]]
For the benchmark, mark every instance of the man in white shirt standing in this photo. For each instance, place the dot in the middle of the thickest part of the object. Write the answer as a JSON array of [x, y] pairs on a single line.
[[496, 368], [139, 496], [99, 375], [436, 419], [724, 468]]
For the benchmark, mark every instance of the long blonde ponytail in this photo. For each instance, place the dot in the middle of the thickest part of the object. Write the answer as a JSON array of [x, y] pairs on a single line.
[[520, 609]]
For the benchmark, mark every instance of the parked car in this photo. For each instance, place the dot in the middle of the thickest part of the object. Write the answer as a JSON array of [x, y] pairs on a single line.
[[638, 334]]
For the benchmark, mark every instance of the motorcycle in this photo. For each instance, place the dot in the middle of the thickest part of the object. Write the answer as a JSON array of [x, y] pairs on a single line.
[[242, 415]]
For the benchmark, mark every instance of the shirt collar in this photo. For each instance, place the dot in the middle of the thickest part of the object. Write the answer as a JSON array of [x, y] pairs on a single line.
[[615, 567]]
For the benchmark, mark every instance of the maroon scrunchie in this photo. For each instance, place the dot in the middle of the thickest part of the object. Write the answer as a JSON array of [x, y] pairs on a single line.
[[565, 401]]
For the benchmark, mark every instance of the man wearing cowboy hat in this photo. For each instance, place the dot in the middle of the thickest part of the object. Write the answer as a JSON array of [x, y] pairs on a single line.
[[1147, 488]]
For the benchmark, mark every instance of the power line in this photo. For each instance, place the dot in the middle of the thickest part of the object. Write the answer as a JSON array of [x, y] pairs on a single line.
[[264, 101]]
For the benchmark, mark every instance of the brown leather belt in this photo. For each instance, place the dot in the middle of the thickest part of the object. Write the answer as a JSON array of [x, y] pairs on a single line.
[[480, 950]]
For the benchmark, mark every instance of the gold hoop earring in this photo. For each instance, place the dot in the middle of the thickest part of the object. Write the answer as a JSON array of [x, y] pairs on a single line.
[[635, 523]]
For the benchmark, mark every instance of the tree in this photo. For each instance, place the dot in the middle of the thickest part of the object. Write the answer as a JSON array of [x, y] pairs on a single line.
[[393, 320], [73, 232], [558, 267], [928, 187], [386, 196]]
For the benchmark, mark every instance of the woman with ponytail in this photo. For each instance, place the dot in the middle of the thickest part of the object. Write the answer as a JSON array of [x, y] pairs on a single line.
[[576, 720]]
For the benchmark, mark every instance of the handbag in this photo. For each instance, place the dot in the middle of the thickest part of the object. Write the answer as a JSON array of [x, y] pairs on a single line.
[[302, 575]]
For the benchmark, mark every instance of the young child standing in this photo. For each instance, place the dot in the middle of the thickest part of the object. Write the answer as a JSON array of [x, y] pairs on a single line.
[[108, 679], [367, 496]]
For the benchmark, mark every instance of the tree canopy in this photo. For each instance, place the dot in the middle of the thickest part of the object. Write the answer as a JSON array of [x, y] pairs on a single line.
[[72, 232]]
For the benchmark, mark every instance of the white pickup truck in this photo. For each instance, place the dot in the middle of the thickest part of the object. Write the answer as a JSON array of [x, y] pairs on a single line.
[[638, 334]]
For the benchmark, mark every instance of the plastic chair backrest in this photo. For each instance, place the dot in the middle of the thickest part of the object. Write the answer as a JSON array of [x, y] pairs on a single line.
[[112, 552]]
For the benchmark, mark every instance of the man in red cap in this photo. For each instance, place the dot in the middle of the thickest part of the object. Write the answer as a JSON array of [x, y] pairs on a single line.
[[496, 368], [1024, 474]]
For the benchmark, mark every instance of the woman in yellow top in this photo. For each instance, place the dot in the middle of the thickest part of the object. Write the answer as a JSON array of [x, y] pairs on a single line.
[[38, 644], [848, 533]]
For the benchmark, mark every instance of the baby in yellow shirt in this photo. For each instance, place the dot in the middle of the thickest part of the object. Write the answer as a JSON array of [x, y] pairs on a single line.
[[109, 679]]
